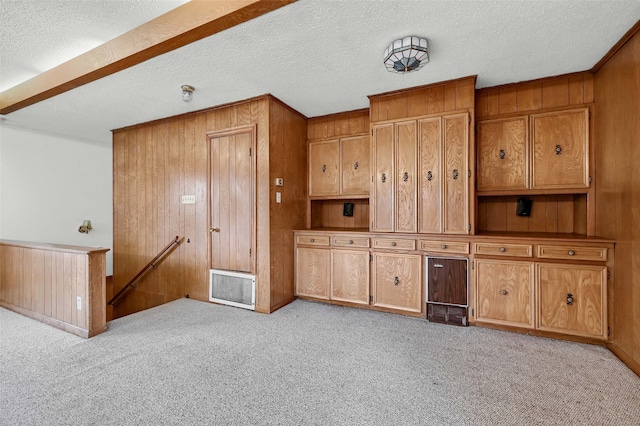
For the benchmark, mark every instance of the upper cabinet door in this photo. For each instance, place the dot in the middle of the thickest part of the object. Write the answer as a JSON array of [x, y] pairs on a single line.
[[324, 168], [560, 149], [430, 170], [456, 173], [503, 147], [382, 198], [406, 182], [356, 156]]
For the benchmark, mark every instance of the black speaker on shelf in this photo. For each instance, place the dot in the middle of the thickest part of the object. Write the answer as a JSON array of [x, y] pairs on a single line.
[[347, 210], [524, 207]]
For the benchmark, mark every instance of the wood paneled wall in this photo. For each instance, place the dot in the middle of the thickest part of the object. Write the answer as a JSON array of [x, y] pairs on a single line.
[[563, 214], [338, 125], [454, 95], [158, 162], [617, 97], [533, 96], [44, 282]]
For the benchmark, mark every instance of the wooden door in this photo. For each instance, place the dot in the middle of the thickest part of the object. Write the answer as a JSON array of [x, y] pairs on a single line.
[[571, 299], [350, 276], [560, 149], [324, 168], [504, 292], [233, 197], [430, 176], [382, 198], [503, 154], [447, 281], [313, 272], [397, 281], [456, 170], [406, 158], [356, 156]]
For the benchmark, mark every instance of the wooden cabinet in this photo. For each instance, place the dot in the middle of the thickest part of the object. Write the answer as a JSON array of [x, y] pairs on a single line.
[[397, 281], [505, 292], [535, 152], [350, 276], [339, 167], [313, 272], [421, 181], [572, 299], [503, 157], [560, 149]]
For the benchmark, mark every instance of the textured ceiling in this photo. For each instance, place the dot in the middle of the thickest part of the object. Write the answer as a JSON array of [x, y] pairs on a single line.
[[317, 56]]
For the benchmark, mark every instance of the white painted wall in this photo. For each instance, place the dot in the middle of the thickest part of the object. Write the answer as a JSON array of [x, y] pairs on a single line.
[[50, 184]]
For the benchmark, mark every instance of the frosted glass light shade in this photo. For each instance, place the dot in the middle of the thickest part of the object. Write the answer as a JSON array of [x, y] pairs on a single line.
[[406, 54]]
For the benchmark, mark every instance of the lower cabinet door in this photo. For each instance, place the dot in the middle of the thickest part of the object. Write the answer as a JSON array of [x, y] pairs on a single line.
[[504, 292], [313, 272], [571, 299], [350, 276], [397, 281]]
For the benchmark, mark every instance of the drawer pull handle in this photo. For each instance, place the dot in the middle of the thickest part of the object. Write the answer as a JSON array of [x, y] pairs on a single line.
[[324, 168], [558, 149], [383, 178], [405, 176], [396, 281], [355, 166], [444, 246], [503, 292], [502, 154], [502, 249], [437, 265], [350, 241], [313, 240], [569, 299], [572, 253], [393, 244], [429, 176]]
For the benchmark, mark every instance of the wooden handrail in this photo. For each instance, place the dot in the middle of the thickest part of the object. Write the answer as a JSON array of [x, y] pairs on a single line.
[[176, 240]]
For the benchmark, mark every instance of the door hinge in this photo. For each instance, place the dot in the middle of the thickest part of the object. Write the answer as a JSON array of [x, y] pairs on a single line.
[[469, 119], [370, 298], [608, 331], [608, 275], [469, 227], [370, 257], [249, 152], [469, 172], [590, 179], [473, 266], [473, 312]]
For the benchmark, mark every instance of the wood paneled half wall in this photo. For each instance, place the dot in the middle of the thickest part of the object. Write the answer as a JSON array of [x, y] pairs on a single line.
[[155, 164]]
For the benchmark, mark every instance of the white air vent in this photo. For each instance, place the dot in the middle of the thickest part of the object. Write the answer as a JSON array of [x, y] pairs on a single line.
[[232, 288]]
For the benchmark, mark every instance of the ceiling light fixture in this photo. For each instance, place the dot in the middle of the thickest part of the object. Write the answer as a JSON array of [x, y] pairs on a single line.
[[406, 54], [187, 93]]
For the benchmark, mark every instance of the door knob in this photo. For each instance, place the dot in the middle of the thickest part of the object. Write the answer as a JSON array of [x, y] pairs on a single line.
[[214, 229]]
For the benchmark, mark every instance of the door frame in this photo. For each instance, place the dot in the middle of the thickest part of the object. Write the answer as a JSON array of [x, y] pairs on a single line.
[[252, 130]]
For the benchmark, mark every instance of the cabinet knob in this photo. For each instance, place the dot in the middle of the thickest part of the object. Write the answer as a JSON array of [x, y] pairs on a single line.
[[405, 176], [313, 240], [444, 246], [355, 166], [558, 149], [572, 253], [569, 299], [324, 168], [429, 176], [393, 244], [502, 154], [502, 249], [383, 178], [455, 174], [396, 281], [503, 292], [350, 241]]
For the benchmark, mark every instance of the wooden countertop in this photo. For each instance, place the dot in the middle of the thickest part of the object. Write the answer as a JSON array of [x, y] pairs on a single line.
[[54, 247]]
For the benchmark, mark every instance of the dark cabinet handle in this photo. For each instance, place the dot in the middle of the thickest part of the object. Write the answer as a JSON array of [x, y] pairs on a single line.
[[355, 166], [396, 281], [405, 176], [503, 292], [383, 178], [455, 174], [569, 299], [393, 244], [572, 253], [502, 154], [313, 240], [429, 176], [324, 168], [444, 246], [558, 149], [350, 241], [502, 249]]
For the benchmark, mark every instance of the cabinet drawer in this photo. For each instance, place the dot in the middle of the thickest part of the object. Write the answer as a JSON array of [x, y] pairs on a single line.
[[598, 254], [444, 247], [394, 243], [350, 241], [312, 240], [498, 249]]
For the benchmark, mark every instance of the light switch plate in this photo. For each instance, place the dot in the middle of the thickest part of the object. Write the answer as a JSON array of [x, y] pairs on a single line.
[[188, 199], [279, 182]]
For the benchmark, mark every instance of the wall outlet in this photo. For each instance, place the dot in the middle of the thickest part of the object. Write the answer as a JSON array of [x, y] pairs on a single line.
[[278, 197], [188, 199], [79, 303]]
